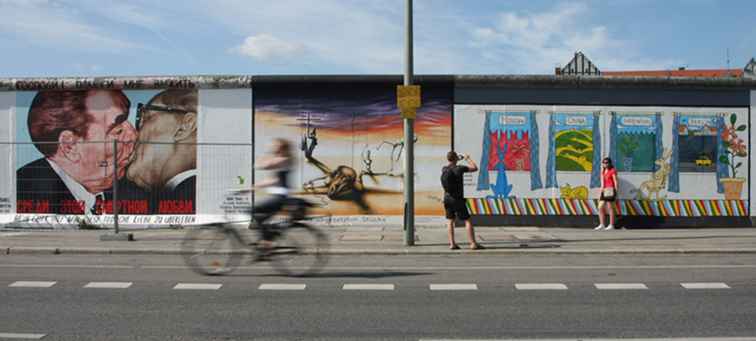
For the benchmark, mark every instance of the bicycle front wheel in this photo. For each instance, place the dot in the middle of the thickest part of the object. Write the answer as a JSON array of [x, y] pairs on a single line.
[[211, 251], [301, 250]]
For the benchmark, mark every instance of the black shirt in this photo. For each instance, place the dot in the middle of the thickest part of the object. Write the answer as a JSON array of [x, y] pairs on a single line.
[[453, 184]]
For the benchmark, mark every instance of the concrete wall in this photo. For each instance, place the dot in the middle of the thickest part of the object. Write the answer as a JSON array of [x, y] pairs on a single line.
[[355, 123]]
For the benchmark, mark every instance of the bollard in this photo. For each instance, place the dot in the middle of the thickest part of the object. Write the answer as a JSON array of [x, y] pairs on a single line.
[[115, 185]]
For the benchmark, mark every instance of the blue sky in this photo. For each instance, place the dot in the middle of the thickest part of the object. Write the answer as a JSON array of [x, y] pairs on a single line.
[[147, 37]]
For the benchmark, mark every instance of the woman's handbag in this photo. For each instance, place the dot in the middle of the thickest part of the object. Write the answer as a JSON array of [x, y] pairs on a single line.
[[608, 193]]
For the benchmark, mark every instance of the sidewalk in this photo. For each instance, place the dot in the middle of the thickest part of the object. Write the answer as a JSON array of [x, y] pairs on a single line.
[[389, 240]]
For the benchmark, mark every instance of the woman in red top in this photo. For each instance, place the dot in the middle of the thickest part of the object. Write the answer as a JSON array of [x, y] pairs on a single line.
[[609, 190]]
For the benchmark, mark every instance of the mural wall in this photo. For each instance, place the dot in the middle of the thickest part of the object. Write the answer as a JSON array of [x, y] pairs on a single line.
[[62, 164], [350, 147], [195, 146], [545, 160]]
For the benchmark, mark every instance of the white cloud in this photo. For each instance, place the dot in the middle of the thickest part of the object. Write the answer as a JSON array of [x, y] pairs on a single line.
[[124, 12], [265, 47], [328, 36], [52, 23], [349, 36], [87, 68], [536, 42]]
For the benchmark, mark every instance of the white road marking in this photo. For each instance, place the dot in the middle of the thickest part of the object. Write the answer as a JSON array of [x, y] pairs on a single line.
[[281, 286], [381, 268], [610, 339], [471, 286], [108, 285], [67, 266], [504, 267], [21, 336], [705, 286], [32, 284], [621, 286], [368, 287], [197, 286], [13, 234], [540, 286]]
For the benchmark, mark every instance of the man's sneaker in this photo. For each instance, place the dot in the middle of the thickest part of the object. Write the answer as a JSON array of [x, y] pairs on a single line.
[[598, 228], [608, 228]]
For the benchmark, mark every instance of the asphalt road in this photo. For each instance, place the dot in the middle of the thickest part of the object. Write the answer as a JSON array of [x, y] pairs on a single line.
[[420, 297]]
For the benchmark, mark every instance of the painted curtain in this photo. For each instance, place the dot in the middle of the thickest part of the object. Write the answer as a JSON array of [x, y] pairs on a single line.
[[510, 143]]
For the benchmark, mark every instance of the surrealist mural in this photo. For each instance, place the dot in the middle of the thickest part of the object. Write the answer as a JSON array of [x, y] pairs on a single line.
[[351, 146], [544, 160]]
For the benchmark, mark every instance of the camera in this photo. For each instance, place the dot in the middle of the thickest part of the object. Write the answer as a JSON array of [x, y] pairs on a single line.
[[460, 156]]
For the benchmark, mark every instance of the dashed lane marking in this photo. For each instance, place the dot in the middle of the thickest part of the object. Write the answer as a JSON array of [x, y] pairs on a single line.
[[705, 286], [470, 286], [280, 286], [540, 286], [621, 286], [383, 268], [108, 285], [24, 336], [368, 287], [613, 339], [13, 234], [197, 286], [31, 284]]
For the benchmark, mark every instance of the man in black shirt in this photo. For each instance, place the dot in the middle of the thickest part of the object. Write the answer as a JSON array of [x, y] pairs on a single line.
[[454, 198]]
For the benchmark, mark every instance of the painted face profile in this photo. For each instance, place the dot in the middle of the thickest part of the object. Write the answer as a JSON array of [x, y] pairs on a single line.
[[167, 127], [82, 125]]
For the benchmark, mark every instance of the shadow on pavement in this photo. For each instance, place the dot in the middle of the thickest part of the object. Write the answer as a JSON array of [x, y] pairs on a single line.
[[653, 238], [345, 274], [494, 245]]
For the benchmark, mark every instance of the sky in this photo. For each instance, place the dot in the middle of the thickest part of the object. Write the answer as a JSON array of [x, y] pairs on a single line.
[[276, 37]]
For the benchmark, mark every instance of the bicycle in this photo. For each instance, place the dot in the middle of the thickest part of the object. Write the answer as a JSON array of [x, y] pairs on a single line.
[[298, 249]]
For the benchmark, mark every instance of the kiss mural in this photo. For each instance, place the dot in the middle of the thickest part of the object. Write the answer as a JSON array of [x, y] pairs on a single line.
[[545, 160], [65, 165]]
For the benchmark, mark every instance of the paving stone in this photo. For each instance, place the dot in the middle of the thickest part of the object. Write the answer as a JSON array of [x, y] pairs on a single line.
[[396, 237], [492, 237], [360, 237]]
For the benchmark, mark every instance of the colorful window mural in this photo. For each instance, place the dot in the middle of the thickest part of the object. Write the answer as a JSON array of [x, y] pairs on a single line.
[[510, 143], [636, 141], [697, 142], [573, 142], [651, 147], [574, 146], [701, 138]]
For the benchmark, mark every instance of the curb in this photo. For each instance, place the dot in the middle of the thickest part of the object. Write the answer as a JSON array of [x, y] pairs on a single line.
[[346, 252]]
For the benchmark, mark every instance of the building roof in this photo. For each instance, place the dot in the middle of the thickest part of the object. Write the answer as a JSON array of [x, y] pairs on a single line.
[[582, 66], [709, 73]]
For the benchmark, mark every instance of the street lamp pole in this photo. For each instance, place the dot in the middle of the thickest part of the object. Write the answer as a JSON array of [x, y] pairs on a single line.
[[409, 138]]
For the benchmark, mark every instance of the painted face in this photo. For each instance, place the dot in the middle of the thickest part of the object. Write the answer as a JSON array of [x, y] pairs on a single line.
[[156, 123], [94, 165]]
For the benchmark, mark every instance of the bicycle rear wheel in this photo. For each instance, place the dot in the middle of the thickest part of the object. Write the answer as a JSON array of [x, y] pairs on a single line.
[[212, 250], [300, 251]]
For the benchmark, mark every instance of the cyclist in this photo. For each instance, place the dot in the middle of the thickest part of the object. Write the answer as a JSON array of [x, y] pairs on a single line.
[[279, 161]]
